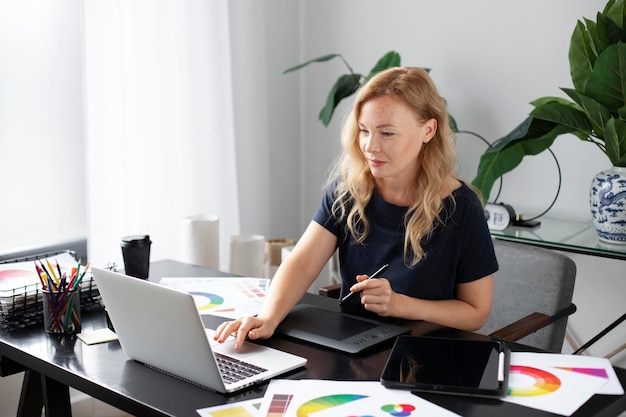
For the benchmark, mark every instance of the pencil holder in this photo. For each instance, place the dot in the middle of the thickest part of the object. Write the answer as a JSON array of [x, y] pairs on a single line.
[[61, 311]]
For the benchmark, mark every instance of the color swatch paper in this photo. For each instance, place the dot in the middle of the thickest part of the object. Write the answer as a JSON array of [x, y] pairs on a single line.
[[586, 365], [535, 382], [248, 408], [230, 297], [321, 398]]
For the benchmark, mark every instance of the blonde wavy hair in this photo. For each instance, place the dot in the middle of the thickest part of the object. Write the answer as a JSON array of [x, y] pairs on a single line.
[[437, 160]]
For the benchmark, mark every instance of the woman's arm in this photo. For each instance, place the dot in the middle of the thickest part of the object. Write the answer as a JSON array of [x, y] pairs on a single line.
[[292, 279], [469, 311]]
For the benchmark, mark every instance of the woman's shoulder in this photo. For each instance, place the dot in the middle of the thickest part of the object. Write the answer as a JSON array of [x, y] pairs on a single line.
[[466, 198], [465, 191]]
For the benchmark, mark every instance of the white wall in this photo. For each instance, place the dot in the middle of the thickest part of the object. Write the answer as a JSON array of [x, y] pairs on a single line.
[[264, 41]]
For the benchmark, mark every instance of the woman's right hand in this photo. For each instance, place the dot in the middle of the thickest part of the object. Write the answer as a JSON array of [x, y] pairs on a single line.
[[251, 327]]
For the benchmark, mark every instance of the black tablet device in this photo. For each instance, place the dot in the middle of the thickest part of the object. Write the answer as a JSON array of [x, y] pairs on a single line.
[[448, 366], [335, 330]]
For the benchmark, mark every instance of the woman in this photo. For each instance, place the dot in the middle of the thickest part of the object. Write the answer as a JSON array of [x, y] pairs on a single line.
[[393, 199]]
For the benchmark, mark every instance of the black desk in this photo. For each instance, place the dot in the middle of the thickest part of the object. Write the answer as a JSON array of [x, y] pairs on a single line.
[[103, 371]]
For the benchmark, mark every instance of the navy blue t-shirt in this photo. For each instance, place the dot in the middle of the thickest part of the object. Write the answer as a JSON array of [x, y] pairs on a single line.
[[459, 251]]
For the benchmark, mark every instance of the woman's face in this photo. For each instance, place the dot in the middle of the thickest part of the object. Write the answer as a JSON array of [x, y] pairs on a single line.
[[391, 138]]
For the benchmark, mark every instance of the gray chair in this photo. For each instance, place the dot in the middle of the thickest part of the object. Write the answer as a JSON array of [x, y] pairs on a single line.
[[533, 290], [533, 293]]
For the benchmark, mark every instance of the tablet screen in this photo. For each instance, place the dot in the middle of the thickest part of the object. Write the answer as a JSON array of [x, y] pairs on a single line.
[[445, 365]]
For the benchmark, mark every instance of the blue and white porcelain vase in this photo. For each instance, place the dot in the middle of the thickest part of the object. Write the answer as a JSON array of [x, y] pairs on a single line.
[[607, 199]]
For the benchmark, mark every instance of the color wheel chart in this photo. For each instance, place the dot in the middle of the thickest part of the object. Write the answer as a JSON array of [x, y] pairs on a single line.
[[329, 401], [527, 381], [206, 301], [228, 297], [323, 403], [557, 383], [398, 410], [328, 398]]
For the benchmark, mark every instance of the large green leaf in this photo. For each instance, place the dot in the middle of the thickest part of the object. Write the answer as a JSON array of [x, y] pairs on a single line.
[[344, 87], [615, 142], [311, 61], [608, 6], [582, 55], [598, 114], [551, 99], [563, 114], [607, 82], [389, 60], [531, 137], [614, 12]]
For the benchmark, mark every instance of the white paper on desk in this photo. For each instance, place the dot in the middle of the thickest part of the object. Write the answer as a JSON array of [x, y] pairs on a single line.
[[230, 297], [19, 274], [321, 398], [546, 388], [248, 408], [587, 365]]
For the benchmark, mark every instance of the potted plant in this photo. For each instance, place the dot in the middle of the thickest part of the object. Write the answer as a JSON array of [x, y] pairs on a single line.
[[595, 112], [348, 84]]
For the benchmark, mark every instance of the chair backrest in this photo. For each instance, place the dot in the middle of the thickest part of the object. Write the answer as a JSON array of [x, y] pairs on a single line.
[[531, 279]]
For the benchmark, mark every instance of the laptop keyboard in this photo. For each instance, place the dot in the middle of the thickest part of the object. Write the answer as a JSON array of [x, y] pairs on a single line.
[[234, 370]]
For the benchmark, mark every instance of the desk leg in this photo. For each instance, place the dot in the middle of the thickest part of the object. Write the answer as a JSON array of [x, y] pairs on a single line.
[[56, 398], [31, 401]]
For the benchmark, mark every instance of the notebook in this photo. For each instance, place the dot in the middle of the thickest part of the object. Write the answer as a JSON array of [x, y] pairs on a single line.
[[161, 328]]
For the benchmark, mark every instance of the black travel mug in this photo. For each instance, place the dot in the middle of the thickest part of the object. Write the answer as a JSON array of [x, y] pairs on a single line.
[[136, 254]]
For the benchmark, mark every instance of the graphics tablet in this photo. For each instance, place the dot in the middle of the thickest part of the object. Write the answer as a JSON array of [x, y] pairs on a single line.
[[448, 366], [335, 330]]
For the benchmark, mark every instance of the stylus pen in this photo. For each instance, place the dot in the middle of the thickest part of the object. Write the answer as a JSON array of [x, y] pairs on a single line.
[[374, 275]]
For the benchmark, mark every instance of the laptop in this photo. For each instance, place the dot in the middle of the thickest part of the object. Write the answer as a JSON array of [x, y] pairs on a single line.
[[162, 328]]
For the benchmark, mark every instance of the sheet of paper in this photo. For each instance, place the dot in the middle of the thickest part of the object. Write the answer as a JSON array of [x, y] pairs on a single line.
[[534, 384], [97, 336], [19, 274], [248, 408], [230, 297], [321, 398], [586, 365]]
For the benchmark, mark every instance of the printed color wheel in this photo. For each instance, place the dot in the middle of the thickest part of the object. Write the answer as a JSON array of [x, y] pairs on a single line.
[[205, 300], [398, 410], [322, 403], [544, 382]]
